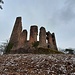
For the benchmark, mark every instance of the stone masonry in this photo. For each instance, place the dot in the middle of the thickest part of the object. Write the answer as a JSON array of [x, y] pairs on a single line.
[[23, 39], [51, 40], [33, 34], [19, 37], [54, 41], [15, 36], [42, 37]]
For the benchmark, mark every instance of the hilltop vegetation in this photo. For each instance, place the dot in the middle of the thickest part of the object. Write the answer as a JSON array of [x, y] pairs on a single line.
[[47, 51]]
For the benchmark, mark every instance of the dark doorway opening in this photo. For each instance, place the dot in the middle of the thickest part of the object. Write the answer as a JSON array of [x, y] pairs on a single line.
[[48, 46]]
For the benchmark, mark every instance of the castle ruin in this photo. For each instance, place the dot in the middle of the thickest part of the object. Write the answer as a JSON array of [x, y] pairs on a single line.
[[19, 37]]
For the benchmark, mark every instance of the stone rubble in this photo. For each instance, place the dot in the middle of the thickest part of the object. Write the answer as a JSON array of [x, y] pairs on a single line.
[[37, 64]]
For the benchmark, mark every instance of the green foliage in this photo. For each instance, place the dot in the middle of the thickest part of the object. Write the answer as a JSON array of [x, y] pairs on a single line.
[[8, 48], [1, 1], [47, 51], [35, 44], [3, 46], [70, 51]]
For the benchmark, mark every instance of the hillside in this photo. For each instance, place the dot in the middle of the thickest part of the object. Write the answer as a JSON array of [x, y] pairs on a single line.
[[37, 64]]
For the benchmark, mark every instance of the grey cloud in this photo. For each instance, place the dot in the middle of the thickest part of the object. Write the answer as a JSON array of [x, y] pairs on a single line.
[[67, 12], [65, 15]]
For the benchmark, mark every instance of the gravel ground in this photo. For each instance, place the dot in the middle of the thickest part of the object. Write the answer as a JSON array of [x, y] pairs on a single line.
[[37, 64]]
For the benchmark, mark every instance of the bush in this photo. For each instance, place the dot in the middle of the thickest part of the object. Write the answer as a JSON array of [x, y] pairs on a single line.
[[47, 51], [70, 51], [3, 46], [35, 44], [8, 48]]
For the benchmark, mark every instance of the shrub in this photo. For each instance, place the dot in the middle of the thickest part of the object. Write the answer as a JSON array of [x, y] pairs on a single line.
[[8, 48], [70, 51], [35, 44], [47, 51]]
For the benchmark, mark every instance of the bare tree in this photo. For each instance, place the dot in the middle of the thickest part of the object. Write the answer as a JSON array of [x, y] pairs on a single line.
[[2, 2], [3, 46]]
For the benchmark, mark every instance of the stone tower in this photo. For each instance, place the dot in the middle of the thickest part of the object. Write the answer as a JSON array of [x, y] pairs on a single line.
[[14, 39], [42, 37], [33, 34], [50, 40], [18, 37], [54, 41], [22, 39]]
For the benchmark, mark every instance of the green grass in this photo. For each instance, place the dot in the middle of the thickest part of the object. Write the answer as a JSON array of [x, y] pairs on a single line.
[[46, 51]]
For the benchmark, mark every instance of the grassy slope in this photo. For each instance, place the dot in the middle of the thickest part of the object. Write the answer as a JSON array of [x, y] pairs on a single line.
[[46, 51]]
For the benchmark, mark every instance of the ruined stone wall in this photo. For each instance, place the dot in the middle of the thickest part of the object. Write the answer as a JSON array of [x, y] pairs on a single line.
[[33, 34], [50, 40], [54, 41], [42, 37], [19, 37], [14, 39], [22, 39]]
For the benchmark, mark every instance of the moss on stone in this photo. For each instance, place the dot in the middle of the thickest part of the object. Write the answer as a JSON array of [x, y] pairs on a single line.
[[35, 44], [47, 51]]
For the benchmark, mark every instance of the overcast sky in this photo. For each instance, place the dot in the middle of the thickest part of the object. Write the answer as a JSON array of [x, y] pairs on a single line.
[[56, 16]]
